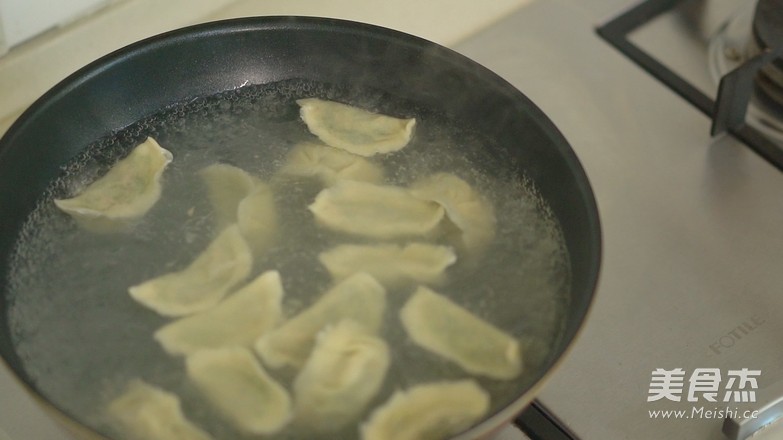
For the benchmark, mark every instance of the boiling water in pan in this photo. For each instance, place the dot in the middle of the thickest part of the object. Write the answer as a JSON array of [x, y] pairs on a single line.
[[82, 338]]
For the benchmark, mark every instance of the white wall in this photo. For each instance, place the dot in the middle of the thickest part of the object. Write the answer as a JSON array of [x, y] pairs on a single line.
[[24, 19]]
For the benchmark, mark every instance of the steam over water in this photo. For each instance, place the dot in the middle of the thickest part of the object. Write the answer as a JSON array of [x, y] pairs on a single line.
[[82, 338]]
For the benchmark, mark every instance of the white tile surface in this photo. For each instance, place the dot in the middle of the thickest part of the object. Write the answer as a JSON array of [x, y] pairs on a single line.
[[22, 19], [30, 69]]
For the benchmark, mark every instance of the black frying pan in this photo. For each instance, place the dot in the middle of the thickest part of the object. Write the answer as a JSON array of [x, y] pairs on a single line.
[[143, 78]]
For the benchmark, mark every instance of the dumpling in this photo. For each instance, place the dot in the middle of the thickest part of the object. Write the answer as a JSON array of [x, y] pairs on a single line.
[[359, 298], [124, 194], [375, 211], [257, 219], [431, 411], [445, 328], [225, 263], [237, 386], [353, 129], [344, 372], [330, 165], [237, 197], [226, 186], [145, 412], [390, 264], [238, 320], [467, 209]]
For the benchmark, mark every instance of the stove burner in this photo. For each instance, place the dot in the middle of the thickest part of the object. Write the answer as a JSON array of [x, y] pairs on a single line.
[[768, 34], [748, 33], [768, 24], [749, 110]]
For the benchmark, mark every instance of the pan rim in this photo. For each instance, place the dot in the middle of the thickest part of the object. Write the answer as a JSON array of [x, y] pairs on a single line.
[[256, 24]]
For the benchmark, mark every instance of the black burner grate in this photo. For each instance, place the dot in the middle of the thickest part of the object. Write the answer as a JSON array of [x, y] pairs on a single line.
[[538, 423], [768, 35], [768, 24], [734, 91]]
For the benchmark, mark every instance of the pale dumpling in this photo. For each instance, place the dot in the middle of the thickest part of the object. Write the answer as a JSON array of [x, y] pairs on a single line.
[[466, 208], [375, 211], [343, 373], [237, 386], [439, 325], [146, 412], [238, 320], [257, 219], [226, 262], [431, 411], [226, 186], [124, 194], [390, 264], [238, 197], [353, 129], [329, 165], [359, 298]]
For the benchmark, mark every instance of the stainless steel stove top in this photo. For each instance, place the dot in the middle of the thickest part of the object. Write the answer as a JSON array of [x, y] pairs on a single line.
[[691, 276], [692, 240]]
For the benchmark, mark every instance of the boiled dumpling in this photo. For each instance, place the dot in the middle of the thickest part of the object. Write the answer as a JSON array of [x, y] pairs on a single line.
[[390, 264], [257, 219], [359, 298], [145, 412], [344, 372], [225, 263], [237, 197], [238, 387], [238, 320], [445, 328], [431, 411], [375, 211], [226, 186], [329, 165], [124, 194], [353, 129], [468, 210]]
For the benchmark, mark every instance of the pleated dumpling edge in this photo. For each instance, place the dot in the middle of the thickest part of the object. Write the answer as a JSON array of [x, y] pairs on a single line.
[[225, 262], [130, 188], [353, 129]]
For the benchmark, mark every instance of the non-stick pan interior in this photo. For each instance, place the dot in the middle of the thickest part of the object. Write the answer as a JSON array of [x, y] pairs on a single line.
[[139, 81]]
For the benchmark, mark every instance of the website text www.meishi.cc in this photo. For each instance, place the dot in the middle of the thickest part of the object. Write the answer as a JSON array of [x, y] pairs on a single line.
[[703, 412]]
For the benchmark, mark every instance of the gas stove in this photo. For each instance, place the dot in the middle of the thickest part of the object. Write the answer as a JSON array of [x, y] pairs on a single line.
[[688, 297], [685, 327], [740, 43]]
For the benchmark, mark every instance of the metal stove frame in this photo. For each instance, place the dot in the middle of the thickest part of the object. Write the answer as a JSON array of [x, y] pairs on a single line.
[[730, 112]]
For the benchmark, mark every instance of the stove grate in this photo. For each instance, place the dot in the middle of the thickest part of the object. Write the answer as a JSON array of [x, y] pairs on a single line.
[[731, 117]]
